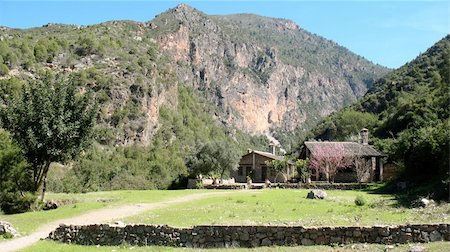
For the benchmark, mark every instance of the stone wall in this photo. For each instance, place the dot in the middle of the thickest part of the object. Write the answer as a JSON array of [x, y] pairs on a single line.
[[247, 236]]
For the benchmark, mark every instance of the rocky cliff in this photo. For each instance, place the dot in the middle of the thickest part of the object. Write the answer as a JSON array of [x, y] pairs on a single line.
[[264, 74]]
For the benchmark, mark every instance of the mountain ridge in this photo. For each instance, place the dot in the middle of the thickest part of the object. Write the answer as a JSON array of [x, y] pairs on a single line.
[[255, 80]]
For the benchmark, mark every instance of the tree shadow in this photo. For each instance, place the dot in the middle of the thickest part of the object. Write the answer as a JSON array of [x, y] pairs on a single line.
[[407, 193]]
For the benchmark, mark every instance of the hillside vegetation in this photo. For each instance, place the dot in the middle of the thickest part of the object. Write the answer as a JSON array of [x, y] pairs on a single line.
[[407, 112]]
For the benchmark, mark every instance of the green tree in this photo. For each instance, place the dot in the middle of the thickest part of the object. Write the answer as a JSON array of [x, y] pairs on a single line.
[[51, 122], [303, 171], [40, 51], [214, 158], [15, 177], [279, 166], [4, 70]]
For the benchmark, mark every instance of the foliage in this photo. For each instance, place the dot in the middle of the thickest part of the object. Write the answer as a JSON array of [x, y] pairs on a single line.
[[328, 159], [111, 168], [303, 170], [344, 125], [278, 166], [411, 107], [214, 158], [51, 122], [16, 202], [15, 177], [360, 200], [4, 70]]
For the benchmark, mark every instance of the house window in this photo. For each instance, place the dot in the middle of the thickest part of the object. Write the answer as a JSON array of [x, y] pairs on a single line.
[[241, 171]]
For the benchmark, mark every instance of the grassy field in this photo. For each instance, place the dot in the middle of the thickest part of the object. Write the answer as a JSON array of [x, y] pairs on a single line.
[[275, 206], [82, 203], [44, 246], [291, 207]]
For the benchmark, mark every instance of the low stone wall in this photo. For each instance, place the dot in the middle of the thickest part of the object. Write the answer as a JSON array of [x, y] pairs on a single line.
[[247, 236]]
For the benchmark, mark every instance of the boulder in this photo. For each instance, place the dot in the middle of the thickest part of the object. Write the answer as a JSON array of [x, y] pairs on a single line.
[[6, 227], [424, 202], [51, 204], [316, 194]]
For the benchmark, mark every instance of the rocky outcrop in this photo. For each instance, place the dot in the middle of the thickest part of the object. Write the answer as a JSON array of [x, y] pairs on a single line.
[[255, 82]]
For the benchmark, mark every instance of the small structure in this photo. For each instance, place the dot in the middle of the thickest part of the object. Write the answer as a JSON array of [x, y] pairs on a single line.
[[362, 151], [253, 165]]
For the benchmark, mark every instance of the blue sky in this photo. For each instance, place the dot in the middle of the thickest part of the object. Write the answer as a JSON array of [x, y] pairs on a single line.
[[389, 33]]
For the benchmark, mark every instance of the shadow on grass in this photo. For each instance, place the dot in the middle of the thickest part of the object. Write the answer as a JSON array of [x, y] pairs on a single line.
[[407, 193]]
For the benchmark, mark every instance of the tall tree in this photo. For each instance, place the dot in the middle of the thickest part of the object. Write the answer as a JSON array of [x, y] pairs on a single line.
[[51, 121], [214, 158]]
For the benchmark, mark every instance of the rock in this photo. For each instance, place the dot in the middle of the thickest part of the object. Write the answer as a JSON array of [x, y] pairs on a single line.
[[307, 242], [424, 202], [416, 248], [266, 242], [6, 227], [316, 194], [51, 204], [435, 236]]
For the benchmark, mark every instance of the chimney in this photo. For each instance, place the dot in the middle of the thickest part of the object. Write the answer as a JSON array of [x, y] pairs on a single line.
[[272, 148], [364, 136]]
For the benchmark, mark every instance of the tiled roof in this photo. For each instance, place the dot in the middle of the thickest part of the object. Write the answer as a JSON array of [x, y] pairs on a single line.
[[350, 147]]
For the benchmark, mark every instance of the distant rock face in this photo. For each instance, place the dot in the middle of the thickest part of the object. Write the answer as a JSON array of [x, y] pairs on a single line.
[[245, 62], [316, 194]]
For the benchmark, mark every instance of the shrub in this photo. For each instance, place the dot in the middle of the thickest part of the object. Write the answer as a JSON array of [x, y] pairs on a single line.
[[15, 202], [360, 200], [199, 185], [8, 235], [3, 69]]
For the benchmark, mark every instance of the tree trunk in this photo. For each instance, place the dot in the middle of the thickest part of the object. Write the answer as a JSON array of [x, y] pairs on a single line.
[[41, 183], [44, 188]]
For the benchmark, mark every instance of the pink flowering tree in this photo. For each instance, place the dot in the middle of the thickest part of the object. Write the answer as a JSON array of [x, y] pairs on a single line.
[[328, 158]]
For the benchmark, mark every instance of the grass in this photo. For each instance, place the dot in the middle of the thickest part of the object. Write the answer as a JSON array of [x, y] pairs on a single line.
[[290, 207], [285, 207], [30, 221], [44, 246]]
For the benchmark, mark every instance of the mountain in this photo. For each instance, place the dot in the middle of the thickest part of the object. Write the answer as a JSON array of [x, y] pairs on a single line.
[[261, 75], [265, 75], [168, 86], [407, 112]]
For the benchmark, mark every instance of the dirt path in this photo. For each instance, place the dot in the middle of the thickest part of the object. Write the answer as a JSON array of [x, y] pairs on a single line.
[[97, 217]]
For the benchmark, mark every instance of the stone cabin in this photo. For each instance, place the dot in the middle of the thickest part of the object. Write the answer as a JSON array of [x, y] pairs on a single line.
[[363, 150], [253, 164]]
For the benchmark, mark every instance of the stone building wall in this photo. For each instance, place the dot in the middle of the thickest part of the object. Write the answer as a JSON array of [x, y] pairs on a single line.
[[247, 236]]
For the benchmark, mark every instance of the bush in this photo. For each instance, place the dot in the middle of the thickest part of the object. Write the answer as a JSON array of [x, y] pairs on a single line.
[[360, 200], [8, 235], [14, 202], [4, 70]]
